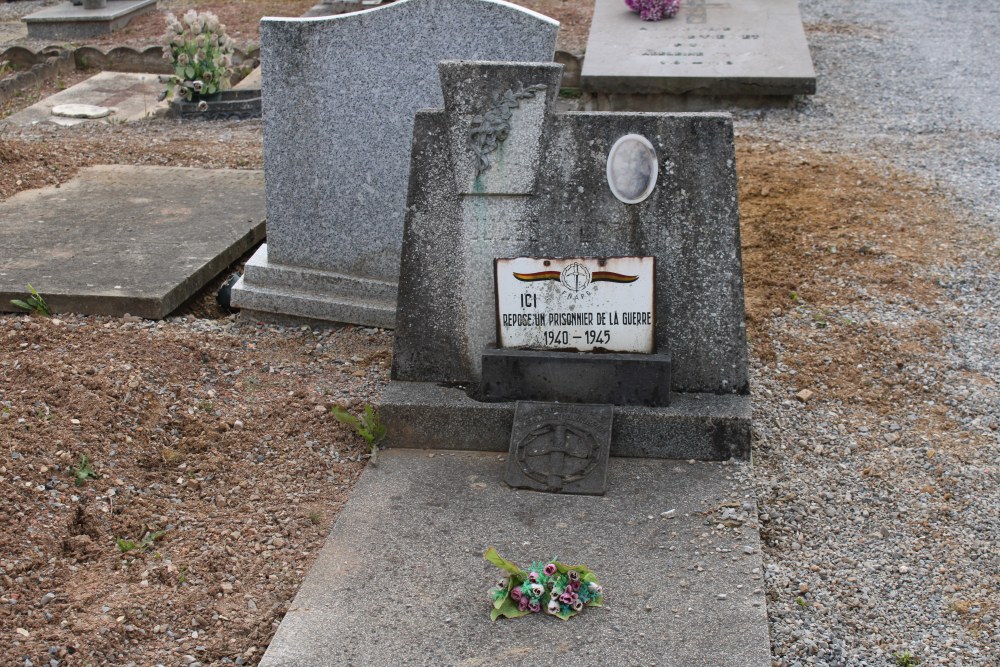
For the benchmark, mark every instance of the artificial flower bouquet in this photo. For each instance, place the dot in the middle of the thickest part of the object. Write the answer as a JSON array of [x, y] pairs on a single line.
[[553, 587], [654, 10]]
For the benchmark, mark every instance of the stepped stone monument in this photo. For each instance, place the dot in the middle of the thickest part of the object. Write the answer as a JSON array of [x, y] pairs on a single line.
[[542, 184], [339, 95], [581, 258]]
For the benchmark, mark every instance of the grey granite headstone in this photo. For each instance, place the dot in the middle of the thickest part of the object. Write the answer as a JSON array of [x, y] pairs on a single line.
[[547, 194], [750, 48], [339, 96]]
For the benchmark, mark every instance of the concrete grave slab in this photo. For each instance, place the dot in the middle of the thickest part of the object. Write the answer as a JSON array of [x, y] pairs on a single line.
[[130, 95], [401, 579], [339, 96], [713, 51], [68, 21], [126, 239]]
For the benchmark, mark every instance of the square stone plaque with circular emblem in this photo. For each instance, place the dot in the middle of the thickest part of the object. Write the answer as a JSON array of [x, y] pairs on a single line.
[[560, 448]]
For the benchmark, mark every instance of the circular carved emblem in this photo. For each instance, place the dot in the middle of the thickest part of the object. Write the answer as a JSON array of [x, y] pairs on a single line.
[[575, 277], [558, 452]]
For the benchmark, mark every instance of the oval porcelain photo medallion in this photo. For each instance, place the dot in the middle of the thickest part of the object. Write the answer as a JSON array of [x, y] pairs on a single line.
[[632, 168]]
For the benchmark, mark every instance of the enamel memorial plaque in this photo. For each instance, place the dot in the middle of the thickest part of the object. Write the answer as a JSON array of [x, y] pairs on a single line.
[[581, 304]]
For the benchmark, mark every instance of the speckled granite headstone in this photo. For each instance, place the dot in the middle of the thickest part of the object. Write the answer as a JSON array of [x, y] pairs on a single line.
[[339, 95], [548, 184]]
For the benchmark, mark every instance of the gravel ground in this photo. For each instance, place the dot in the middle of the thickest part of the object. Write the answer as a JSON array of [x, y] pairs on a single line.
[[882, 523]]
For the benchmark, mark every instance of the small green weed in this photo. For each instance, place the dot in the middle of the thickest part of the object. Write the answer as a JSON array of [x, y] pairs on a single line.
[[315, 518], [83, 471], [906, 659], [34, 303], [125, 545], [367, 426], [570, 93], [801, 601]]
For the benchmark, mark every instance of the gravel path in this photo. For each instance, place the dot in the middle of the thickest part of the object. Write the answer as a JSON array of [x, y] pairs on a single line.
[[882, 528]]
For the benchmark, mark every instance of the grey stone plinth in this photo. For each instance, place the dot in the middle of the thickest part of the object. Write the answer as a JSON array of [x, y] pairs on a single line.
[[401, 579], [707, 427], [339, 96], [571, 377], [68, 21], [748, 49], [126, 239], [311, 294]]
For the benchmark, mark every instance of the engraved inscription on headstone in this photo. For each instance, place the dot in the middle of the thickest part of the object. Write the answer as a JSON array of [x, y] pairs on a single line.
[[561, 448], [632, 168], [576, 303]]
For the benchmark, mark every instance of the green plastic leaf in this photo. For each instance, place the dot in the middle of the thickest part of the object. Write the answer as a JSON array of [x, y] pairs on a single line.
[[492, 556], [508, 609], [189, 71]]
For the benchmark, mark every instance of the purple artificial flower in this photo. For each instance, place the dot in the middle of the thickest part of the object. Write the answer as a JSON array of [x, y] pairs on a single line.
[[532, 577], [574, 586], [565, 598], [654, 10], [516, 593], [522, 604], [550, 569], [534, 607]]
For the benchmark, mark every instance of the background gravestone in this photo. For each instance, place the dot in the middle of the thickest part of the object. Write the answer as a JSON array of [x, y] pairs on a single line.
[[711, 53], [339, 95], [547, 194]]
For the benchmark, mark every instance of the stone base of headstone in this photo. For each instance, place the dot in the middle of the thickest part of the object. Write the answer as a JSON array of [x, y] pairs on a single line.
[[310, 294], [706, 427], [68, 21], [570, 377], [690, 102], [402, 581]]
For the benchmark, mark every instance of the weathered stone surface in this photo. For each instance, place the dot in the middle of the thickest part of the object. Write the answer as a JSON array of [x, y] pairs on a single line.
[[67, 21], [677, 592], [707, 427], [130, 96], [689, 223], [127, 239], [560, 448], [570, 377], [339, 96], [748, 48]]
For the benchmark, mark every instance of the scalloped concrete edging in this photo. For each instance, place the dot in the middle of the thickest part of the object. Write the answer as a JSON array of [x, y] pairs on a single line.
[[51, 64], [53, 60]]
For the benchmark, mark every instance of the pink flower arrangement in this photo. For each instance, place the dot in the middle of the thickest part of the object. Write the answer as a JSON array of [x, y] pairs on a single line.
[[654, 10]]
